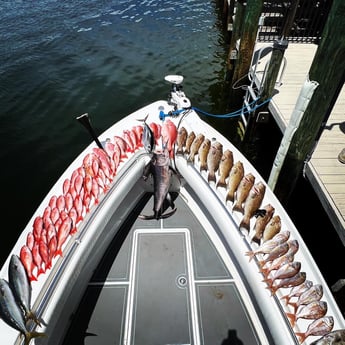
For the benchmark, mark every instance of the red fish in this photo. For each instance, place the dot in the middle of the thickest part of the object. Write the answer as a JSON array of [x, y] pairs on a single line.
[[52, 201], [62, 235], [156, 129], [54, 215], [30, 240], [37, 258], [37, 227], [28, 262], [61, 203], [126, 134], [68, 201], [43, 249], [122, 145], [66, 185], [318, 327], [169, 135]]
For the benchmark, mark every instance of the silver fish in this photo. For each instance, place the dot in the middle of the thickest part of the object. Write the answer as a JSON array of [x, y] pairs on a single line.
[[148, 137], [287, 270], [12, 314], [297, 291], [332, 338], [311, 311], [314, 293], [295, 280], [159, 167], [21, 287], [320, 326]]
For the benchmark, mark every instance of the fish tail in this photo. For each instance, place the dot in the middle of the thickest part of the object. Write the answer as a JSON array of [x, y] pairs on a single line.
[[268, 281], [211, 177], [230, 196], [58, 253], [179, 151], [286, 298], [203, 167], [264, 271], [221, 183], [251, 254], [255, 239], [245, 223], [237, 207], [32, 316], [273, 289], [31, 335], [292, 318], [190, 159], [301, 336]]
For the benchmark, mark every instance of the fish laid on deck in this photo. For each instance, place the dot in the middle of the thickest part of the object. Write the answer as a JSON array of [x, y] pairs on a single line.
[[161, 171], [12, 314], [235, 176]]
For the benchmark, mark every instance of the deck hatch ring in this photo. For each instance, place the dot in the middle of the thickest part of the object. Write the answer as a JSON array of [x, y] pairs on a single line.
[[181, 281]]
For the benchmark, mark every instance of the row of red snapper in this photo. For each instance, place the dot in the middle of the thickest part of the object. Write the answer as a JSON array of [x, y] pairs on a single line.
[[80, 192]]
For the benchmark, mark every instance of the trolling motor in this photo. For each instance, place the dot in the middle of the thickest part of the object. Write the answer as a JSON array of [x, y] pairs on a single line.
[[177, 97]]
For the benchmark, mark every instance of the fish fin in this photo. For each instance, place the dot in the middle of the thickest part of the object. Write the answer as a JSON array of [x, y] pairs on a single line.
[[211, 177], [146, 217], [292, 318], [301, 336], [286, 298], [32, 316], [237, 207], [260, 212], [251, 254], [245, 223], [168, 214], [256, 239], [221, 183], [203, 167], [230, 197], [31, 335]]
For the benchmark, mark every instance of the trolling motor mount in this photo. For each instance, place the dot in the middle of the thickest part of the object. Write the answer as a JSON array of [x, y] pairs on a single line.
[[177, 96]]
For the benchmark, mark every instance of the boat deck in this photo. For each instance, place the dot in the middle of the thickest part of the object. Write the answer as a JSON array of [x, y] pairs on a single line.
[[152, 293], [325, 173]]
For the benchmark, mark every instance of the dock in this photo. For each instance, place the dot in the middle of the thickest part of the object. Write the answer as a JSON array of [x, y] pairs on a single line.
[[324, 171]]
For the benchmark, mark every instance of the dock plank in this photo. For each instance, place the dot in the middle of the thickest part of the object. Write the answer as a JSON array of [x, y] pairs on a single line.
[[324, 171]]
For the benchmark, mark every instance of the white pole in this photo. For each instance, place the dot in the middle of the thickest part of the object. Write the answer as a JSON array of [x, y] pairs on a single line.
[[304, 97]]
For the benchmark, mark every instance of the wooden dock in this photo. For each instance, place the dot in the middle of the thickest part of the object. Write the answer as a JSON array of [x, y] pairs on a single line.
[[325, 173]]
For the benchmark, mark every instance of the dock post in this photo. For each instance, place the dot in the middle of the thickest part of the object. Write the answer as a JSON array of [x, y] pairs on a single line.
[[247, 41], [327, 70], [235, 36]]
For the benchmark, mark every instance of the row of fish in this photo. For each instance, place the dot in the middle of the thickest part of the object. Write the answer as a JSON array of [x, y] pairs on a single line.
[[65, 212], [15, 300], [276, 261], [275, 254], [242, 190]]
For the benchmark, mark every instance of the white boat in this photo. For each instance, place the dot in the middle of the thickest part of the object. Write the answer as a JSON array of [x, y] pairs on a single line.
[[104, 267]]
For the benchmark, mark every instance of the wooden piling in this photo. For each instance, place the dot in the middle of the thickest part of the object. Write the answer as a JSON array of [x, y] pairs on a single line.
[[327, 70]]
